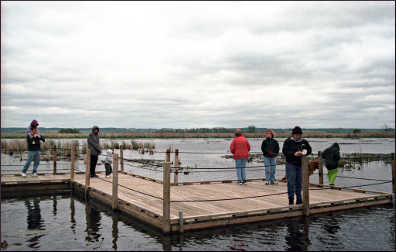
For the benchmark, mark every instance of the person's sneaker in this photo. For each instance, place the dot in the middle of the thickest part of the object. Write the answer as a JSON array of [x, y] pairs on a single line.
[[291, 201], [298, 202], [240, 183], [35, 174], [23, 174]]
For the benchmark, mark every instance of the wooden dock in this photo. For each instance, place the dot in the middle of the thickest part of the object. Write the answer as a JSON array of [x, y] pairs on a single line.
[[135, 197], [194, 205]]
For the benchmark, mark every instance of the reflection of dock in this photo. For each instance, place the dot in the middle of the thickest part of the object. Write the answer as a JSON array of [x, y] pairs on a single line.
[[203, 205]]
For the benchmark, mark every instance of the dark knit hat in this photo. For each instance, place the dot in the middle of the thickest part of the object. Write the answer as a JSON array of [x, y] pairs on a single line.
[[297, 130]]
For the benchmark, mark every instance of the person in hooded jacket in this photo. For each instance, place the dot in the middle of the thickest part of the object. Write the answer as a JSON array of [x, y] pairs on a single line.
[[240, 147], [270, 149], [331, 155], [94, 146], [294, 148]]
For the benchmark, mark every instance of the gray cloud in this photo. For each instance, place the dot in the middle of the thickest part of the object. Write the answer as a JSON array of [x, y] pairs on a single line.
[[197, 65]]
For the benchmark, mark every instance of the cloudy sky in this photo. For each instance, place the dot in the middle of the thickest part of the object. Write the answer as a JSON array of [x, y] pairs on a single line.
[[198, 64]]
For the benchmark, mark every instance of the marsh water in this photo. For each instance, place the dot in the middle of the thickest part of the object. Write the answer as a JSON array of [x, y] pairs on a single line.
[[67, 223]]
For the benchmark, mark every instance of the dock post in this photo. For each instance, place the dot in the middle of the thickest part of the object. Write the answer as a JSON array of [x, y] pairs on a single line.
[[305, 180], [176, 174], [115, 182], [181, 222], [72, 153], [166, 194], [122, 158], [320, 168], [54, 170], [393, 180], [87, 172]]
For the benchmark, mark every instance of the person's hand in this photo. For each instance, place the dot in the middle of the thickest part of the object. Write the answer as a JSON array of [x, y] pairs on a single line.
[[271, 153], [298, 153], [36, 135]]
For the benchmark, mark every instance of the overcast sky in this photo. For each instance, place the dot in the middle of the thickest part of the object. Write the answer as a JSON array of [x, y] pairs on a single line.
[[198, 64]]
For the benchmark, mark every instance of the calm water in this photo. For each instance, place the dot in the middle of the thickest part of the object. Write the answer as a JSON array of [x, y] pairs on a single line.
[[66, 223]]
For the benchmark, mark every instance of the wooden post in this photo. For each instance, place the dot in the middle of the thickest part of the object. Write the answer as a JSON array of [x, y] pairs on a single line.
[[72, 153], [166, 194], [176, 175], [320, 168], [393, 180], [305, 180], [87, 172], [181, 222], [54, 171], [115, 181], [122, 159]]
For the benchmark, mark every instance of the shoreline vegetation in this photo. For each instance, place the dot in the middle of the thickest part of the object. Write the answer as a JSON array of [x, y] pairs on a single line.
[[131, 135]]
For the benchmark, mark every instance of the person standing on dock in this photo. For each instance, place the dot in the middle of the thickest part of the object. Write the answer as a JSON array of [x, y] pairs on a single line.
[[331, 155], [270, 149], [94, 146], [33, 143], [240, 147], [294, 148]]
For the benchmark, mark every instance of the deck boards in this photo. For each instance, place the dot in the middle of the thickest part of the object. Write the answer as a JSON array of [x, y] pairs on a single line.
[[212, 191], [209, 210]]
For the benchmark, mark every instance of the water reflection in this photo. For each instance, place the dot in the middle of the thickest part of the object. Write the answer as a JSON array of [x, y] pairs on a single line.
[[34, 221], [297, 236], [115, 218], [93, 220], [72, 214]]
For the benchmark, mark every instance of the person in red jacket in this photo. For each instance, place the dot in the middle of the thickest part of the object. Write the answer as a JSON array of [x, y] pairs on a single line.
[[240, 147]]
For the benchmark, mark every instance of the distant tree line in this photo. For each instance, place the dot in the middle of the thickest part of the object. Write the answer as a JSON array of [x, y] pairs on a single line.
[[69, 130]]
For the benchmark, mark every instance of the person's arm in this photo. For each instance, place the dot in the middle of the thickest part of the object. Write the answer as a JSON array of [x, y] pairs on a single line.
[[94, 144], [309, 149], [276, 149], [29, 139], [42, 138], [232, 147], [263, 145], [248, 145], [287, 151]]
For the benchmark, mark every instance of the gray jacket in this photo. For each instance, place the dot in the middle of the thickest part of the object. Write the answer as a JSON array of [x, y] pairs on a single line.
[[93, 144]]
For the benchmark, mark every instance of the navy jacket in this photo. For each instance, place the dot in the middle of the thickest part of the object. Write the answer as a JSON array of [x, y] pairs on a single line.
[[291, 146], [270, 144]]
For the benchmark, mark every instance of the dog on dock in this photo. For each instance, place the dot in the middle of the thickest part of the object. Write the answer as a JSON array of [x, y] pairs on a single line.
[[312, 166]]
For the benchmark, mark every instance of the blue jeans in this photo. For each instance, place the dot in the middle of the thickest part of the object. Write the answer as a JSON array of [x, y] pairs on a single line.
[[294, 179], [270, 165], [240, 169], [32, 155]]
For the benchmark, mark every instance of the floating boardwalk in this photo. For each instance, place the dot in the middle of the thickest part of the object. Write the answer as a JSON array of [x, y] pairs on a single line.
[[184, 206], [142, 198]]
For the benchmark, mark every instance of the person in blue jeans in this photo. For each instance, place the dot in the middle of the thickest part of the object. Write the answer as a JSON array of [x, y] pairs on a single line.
[[33, 144], [270, 149], [240, 147], [294, 148]]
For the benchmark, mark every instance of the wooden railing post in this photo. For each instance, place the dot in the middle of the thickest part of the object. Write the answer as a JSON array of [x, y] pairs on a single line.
[[122, 159], [115, 182], [87, 172], [393, 180], [55, 154], [72, 153], [305, 180], [320, 168], [176, 165], [166, 194]]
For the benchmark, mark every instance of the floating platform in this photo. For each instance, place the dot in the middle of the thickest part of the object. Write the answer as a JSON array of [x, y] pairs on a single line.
[[203, 204]]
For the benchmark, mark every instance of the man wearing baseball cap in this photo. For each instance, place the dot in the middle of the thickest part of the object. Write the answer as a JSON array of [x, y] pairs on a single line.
[[294, 148]]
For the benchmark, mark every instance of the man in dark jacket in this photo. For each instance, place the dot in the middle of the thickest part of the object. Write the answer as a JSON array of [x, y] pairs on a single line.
[[331, 156], [94, 146], [294, 148], [33, 143], [270, 149]]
